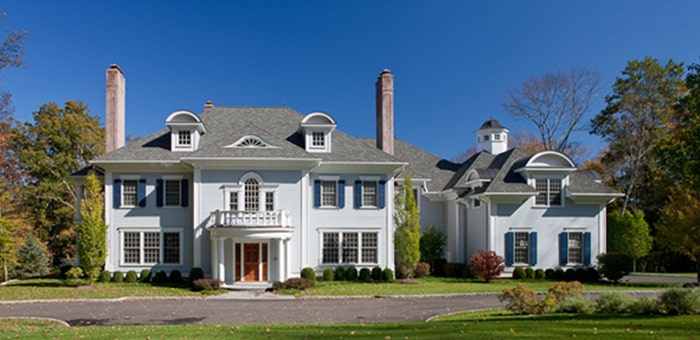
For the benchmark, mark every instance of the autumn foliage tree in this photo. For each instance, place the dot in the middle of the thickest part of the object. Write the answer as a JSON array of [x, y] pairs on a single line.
[[92, 230], [679, 227]]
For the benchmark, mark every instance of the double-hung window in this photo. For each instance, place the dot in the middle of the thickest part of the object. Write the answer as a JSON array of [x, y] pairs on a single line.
[[521, 248], [369, 193], [548, 192], [329, 192], [172, 192], [575, 248], [144, 247], [129, 192], [329, 195], [349, 247]]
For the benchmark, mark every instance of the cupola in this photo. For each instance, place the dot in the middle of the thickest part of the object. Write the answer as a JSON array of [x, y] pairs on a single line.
[[492, 137]]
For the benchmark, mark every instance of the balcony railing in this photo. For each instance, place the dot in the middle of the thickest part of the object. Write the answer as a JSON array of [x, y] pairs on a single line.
[[236, 218]]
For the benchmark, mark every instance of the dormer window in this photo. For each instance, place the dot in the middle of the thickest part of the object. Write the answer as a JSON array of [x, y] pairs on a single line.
[[548, 192], [184, 138], [317, 128], [318, 139]]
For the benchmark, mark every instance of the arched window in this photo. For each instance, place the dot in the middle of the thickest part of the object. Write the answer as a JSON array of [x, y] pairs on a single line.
[[252, 195]]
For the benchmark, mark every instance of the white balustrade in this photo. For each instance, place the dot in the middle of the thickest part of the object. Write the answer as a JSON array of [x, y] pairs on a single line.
[[235, 218]]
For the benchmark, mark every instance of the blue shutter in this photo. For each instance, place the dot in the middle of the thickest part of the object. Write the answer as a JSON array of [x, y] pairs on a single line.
[[341, 194], [317, 193], [533, 249], [142, 192], [563, 249], [184, 192], [159, 192], [381, 193], [357, 198], [510, 249], [586, 249], [117, 191]]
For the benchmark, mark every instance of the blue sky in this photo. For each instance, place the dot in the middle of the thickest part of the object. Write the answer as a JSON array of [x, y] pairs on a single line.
[[453, 61]]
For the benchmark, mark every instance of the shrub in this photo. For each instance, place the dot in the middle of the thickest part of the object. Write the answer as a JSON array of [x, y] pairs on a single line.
[[614, 303], [328, 274], [539, 274], [294, 283], [422, 269], [467, 272], [105, 276], [74, 273], [199, 285], [614, 266], [581, 274], [564, 290], [196, 273], [32, 258], [159, 278], [351, 273], [118, 277], [365, 275], [646, 306], [576, 305], [522, 300], [388, 275], [131, 277], [519, 273], [439, 267], [679, 301], [175, 277], [145, 276], [377, 274], [487, 265], [530, 273], [592, 275], [549, 274], [559, 274], [432, 245], [570, 275], [309, 274], [453, 269], [339, 273]]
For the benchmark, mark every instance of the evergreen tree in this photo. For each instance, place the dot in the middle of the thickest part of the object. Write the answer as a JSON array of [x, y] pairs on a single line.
[[407, 235], [32, 258], [92, 230]]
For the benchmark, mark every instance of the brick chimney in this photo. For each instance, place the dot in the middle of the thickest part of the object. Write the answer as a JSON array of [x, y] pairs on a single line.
[[385, 112], [208, 106], [115, 108]]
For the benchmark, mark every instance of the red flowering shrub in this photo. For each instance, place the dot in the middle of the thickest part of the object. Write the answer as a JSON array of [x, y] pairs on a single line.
[[486, 265]]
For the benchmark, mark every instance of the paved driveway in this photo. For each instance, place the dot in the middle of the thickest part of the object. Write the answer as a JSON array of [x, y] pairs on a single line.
[[224, 311]]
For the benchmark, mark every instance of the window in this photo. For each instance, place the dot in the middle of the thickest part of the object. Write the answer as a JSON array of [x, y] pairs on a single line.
[[496, 137], [349, 247], [369, 193], [486, 138], [151, 247], [318, 139], [549, 192], [522, 249], [172, 192], [252, 195], [329, 197], [184, 138], [129, 193], [233, 201], [575, 246], [269, 201]]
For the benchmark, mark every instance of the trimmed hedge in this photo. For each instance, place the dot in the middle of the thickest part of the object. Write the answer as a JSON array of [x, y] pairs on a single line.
[[328, 274], [293, 283], [118, 277], [340, 273], [196, 273], [365, 275], [351, 273], [377, 274], [160, 278], [199, 285], [388, 275], [105, 276], [308, 273], [131, 277], [145, 276], [519, 273]]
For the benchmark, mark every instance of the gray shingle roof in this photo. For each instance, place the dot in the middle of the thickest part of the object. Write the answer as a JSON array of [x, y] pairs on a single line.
[[277, 126], [491, 124]]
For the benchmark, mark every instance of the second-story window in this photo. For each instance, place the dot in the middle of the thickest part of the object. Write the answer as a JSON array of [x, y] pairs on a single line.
[[184, 138], [548, 192], [129, 193], [252, 195], [329, 194], [172, 192], [369, 193]]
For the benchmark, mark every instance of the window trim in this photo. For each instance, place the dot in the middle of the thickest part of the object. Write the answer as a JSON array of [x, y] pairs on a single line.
[[359, 248], [124, 193], [549, 192], [165, 192], [516, 247], [184, 135], [161, 239]]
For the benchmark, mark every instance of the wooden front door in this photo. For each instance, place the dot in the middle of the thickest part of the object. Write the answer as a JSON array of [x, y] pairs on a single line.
[[254, 262]]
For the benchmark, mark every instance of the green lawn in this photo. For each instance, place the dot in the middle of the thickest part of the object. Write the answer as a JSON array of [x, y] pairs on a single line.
[[432, 285], [47, 289], [468, 325]]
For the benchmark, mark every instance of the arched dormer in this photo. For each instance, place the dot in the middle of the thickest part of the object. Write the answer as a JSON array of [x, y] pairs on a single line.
[[185, 130], [317, 128], [477, 177], [547, 172]]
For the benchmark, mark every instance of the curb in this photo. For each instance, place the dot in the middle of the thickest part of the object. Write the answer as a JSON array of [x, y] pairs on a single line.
[[121, 299], [36, 318]]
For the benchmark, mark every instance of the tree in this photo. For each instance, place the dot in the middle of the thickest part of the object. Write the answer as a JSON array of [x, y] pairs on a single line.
[[432, 245], [628, 234], [32, 258], [486, 265], [679, 227], [60, 141], [555, 102], [92, 230], [636, 118], [531, 143], [407, 234]]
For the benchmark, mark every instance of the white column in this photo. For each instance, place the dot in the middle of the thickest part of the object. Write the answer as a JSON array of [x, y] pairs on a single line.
[[214, 259], [452, 230], [287, 256], [197, 218], [280, 260], [220, 259]]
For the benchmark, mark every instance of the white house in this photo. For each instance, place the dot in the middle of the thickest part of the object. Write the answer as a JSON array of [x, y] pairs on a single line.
[[255, 194]]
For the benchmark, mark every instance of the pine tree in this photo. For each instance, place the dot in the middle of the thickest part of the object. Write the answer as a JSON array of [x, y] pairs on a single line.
[[32, 258], [92, 230], [407, 235]]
